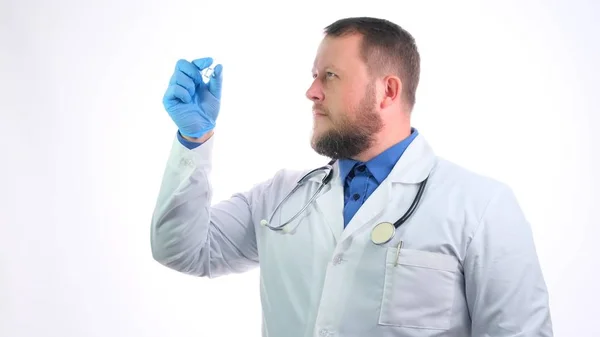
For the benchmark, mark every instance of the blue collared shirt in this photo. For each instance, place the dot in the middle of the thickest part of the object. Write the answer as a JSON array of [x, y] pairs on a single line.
[[187, 143], [361, 179]]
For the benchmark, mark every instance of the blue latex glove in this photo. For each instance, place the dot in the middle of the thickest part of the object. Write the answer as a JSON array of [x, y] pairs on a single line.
[[192, 104]]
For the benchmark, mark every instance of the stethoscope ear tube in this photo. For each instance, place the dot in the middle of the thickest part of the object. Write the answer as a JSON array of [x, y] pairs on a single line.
[[283, 227], [413, 206], [383, 232], [380, 234]]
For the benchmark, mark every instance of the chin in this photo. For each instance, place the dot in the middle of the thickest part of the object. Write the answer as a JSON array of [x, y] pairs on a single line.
[[319, 131], [317, 134]]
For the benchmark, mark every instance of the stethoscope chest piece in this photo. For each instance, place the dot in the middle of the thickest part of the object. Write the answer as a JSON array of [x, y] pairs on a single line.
[[383, 233]]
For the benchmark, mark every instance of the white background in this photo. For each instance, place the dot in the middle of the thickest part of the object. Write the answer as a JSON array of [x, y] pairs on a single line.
[[508, 89]]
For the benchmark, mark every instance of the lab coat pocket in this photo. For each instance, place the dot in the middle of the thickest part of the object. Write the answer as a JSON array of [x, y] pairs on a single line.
[[418, 289]]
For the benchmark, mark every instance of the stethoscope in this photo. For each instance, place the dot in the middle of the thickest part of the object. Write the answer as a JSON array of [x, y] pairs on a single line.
[[380, 234]]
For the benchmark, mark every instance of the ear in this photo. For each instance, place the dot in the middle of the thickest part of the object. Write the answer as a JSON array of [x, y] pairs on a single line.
[[392, 91]]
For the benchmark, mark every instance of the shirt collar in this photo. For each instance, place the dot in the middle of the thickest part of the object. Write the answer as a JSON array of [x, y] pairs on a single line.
[[380, 166]]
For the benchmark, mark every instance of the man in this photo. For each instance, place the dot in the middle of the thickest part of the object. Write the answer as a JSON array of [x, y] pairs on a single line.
[[462, 263]]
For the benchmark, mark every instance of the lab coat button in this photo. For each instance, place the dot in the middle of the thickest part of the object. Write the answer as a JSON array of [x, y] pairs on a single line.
[[186, 162], [325, 333], [338, 259]]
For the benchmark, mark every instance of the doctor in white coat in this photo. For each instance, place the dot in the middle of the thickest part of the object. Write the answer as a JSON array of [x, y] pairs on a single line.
[[461, 263]]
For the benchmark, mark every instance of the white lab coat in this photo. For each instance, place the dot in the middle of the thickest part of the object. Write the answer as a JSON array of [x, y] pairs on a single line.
[[467, 267]]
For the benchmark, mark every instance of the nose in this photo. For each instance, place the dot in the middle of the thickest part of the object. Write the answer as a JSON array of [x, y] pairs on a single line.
[[315, 92]]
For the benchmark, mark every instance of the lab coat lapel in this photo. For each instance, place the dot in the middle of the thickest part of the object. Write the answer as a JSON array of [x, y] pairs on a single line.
[[401, 184]]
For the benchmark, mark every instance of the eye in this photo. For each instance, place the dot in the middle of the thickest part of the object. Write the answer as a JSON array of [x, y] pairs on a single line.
[[328, 73]]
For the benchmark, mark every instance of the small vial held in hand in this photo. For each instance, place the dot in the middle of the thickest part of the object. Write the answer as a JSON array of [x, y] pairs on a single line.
[[207, 73]]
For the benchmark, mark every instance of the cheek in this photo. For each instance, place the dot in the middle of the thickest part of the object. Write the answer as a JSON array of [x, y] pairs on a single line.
[[351, 98], [343, 101], [340, 104]]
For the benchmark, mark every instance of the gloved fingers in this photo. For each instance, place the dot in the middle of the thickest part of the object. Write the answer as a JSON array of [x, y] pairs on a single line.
[[176, 94], [184, 81], [190, 70], [215, 83], [202, 63]]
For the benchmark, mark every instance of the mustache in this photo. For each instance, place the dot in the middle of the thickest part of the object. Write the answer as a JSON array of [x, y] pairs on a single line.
[[320, 109]]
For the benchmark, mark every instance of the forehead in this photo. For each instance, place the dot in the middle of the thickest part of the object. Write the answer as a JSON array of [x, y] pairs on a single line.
[[339, 52]]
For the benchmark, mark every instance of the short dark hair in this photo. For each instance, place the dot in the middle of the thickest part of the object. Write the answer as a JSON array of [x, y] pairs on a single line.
[[386, 47]]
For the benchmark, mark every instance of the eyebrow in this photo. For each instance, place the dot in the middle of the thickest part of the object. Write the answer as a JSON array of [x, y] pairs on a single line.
[[329, 66]]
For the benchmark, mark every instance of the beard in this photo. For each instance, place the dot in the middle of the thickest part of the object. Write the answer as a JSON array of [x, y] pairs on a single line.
[[350, 136]]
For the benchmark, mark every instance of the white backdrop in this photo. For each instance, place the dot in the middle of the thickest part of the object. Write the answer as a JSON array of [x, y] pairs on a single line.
[[508, 90]]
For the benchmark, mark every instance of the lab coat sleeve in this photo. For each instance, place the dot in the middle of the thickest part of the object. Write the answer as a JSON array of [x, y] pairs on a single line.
[[190, 235], [505, 289]]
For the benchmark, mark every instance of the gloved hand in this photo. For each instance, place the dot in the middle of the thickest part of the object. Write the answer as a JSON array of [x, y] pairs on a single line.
[[192, 104]]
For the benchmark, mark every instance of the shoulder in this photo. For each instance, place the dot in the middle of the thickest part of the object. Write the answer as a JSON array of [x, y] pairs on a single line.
[[457, 175], [280, 183], [466, 188]]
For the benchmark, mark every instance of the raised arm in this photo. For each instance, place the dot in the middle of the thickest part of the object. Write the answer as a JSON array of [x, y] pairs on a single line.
[[187, 233], [191, 236]]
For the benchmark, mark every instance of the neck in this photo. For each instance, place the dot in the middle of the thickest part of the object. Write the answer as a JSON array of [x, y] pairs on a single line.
[[385, 139]]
